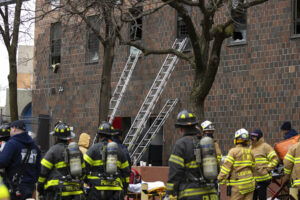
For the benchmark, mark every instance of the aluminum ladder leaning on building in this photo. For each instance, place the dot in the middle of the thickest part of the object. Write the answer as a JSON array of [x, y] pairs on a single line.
[[153, 95], [155, 127], [122, 85]]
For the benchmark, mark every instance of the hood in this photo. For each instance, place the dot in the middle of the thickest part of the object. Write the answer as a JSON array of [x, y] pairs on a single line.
[[290, 134], [84, 140], [259, 142], [23, 138]]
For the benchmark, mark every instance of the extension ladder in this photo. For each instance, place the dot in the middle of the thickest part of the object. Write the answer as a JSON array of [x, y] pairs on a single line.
[[144, 143], [153, 95], [122, 84]]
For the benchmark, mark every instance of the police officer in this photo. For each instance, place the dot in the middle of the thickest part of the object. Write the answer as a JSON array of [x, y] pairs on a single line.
[[208, 129], [184, 174], [56, 180], [21, 159], [4, 135], [237, 169], [107, 167]]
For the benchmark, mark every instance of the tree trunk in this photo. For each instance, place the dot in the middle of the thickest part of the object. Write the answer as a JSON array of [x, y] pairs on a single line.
[[105, 87], [13, 92]]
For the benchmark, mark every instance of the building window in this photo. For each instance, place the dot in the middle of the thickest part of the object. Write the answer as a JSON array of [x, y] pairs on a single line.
[[296, 17], [54, 3], [136, 26], [240, 27], [182, 29], [55, 38], [92, 41]]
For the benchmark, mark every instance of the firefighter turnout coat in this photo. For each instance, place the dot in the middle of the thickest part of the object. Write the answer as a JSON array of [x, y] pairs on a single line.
[[184, 172], [54, 168], [292, 165], [95, 167], [266, 160], [237, 170], [218, 152]]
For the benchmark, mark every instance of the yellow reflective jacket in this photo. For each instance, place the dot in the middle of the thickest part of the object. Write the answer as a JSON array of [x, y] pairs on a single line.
[[291, 164], [265, 158], [218, 152], [237, 170]]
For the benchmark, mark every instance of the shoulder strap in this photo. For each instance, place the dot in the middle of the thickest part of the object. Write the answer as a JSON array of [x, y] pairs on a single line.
[[18, 177]]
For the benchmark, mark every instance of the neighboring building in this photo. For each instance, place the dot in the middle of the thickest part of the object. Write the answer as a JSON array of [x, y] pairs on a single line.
[[24, 82], [257, 85]]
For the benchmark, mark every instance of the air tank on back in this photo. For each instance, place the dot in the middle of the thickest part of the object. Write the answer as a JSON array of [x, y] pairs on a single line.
[[112, 158], [75, 159], [209, 159]]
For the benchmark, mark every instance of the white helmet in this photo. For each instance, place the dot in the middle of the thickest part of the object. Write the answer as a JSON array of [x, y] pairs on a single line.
[[207, 126], [241, 136]]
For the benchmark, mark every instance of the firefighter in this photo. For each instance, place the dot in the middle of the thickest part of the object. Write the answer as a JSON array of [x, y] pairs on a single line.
[[208, 129], [185, 180], [57, 179], [291, 164], [4, 135], [107, 167], [266, 160], [237, 169]]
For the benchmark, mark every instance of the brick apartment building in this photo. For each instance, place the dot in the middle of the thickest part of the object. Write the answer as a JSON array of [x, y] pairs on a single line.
[[257, 85]]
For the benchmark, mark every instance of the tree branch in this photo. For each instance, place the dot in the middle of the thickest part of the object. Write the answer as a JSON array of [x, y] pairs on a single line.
[[16, 26], [143, 14], [164, 51], [190, 3], [253, 3]]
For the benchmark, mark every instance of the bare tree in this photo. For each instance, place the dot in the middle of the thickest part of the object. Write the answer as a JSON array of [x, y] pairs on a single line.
[[206, 42], [9, 30], [106, 31]]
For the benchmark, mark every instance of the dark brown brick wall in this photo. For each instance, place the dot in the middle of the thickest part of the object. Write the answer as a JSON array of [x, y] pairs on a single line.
[[257, 84]]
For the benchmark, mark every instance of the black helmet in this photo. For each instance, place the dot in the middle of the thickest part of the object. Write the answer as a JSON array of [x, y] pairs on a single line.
[[185, 118], [63, 131], [4, 132], [106, 129]]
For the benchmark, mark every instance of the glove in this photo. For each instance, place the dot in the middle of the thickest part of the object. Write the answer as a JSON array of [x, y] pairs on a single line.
[[40, 189]]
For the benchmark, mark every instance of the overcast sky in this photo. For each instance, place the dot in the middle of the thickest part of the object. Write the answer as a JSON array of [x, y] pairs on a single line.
[[25, 39]]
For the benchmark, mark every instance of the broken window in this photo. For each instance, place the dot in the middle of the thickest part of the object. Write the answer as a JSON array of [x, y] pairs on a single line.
[[239, 18], [55, 39], [296, 17], [136, 26], [54, 3], [182, 31], [92, 41]]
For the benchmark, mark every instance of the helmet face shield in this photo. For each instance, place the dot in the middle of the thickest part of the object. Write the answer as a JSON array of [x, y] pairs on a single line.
[[207, 126], [241, 136]]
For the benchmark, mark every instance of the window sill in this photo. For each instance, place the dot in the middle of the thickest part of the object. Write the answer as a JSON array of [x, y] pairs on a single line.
[[92, 63], [233, 44], [295, 36]]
